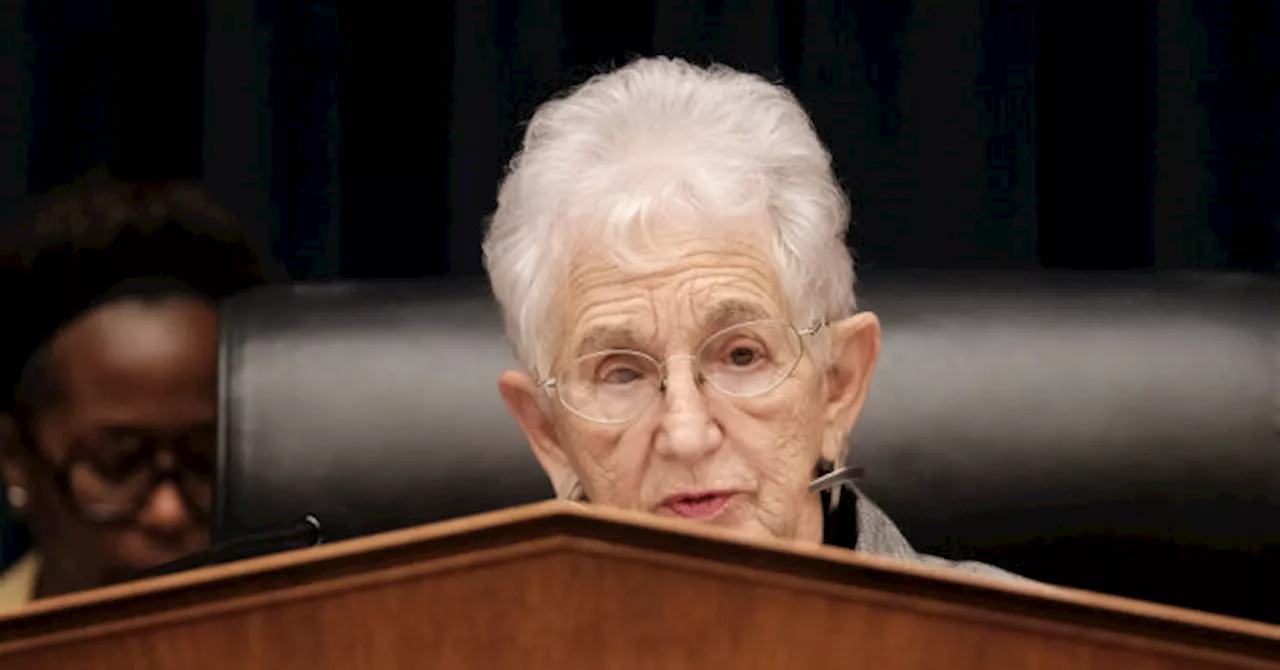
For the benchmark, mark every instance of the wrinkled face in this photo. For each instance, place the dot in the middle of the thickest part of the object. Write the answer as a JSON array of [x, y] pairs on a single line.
[[741, 463], [132, 374]]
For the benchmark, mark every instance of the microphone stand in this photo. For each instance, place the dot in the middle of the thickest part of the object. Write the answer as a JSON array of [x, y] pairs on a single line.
[[300, 535]]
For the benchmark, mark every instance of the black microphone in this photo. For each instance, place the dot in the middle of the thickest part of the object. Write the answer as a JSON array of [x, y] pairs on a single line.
[[300, 535]]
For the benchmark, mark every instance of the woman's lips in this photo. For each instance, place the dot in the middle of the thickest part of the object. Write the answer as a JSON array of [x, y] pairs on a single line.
[[697, 505]]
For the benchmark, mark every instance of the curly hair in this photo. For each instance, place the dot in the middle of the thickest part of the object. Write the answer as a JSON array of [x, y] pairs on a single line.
[[656, 140], [82, 242]]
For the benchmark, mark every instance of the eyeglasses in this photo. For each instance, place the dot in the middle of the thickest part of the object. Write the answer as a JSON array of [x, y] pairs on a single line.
[[113, 484], [617, 385]]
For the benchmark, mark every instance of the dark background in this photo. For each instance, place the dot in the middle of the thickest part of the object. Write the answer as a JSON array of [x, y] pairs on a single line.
[[367, 139]]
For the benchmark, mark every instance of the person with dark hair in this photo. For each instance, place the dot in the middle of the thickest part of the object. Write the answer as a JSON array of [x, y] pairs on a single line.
[[108, 377]]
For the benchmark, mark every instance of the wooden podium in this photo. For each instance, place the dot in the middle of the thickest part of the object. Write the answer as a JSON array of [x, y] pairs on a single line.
[[560, 585]]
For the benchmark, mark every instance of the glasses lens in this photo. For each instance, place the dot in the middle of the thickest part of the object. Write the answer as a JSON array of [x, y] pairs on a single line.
[[108, 498], [750, 359], [116, 492], [197, 492], [611, 386]]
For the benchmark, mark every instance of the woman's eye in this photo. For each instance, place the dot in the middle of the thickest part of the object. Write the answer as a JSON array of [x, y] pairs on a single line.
[[116, 466], [744, 354], [620, 375], [117, 455]]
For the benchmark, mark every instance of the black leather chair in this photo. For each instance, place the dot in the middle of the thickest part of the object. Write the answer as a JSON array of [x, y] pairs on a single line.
[[1119, 433]]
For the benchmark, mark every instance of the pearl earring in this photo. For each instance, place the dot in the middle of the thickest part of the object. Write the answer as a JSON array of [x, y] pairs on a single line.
[[17, 497]]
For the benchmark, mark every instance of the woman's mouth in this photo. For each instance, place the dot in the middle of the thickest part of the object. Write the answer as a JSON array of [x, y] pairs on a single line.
[[697, 505]]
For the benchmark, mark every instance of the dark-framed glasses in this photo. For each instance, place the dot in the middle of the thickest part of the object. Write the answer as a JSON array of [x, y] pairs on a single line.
[[743, 361], [113, 483]]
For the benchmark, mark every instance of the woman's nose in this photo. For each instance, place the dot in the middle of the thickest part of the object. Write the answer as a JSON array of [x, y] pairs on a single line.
[[687, 430], [165, 512]]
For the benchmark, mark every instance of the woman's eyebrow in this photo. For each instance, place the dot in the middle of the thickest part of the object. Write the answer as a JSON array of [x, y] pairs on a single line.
[[732, 312], [602, 337], [722, 314]]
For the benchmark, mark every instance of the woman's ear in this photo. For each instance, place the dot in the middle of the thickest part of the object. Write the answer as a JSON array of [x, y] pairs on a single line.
[[523, 399], [855, 349]]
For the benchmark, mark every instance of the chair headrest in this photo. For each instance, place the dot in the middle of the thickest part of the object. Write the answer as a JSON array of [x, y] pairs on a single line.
[[370, 405], [1079, 429], [997, 393]]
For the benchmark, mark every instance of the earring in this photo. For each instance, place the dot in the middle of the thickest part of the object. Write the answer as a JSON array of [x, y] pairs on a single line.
[[571, 489], [17, 497], [832, 476]]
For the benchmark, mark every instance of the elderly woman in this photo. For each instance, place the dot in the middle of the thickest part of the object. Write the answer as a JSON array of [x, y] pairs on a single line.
[[668, 249]]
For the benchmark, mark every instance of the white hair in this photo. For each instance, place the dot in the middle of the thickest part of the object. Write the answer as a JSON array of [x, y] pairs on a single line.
[[627, 149]]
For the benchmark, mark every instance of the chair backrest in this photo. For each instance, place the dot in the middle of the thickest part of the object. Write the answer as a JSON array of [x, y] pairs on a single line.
[[369, 405], [1118, 433]]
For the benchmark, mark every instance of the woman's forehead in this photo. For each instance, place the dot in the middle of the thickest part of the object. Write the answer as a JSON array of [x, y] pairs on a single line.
[[712, 317], [682, 278]]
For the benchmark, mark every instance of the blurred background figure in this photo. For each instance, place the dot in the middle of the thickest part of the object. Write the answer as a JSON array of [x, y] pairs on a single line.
[[109, 294]]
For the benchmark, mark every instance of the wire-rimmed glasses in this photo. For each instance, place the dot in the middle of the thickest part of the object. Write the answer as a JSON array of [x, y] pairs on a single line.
[[743, 361]]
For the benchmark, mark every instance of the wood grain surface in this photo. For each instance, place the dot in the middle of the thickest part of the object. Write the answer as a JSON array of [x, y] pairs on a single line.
[[558, 585]]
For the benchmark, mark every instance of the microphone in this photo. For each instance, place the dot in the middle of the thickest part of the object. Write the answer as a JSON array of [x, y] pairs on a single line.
[[306, 533]]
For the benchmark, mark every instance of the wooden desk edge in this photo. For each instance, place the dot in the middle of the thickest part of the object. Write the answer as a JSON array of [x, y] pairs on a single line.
[[557, 517]]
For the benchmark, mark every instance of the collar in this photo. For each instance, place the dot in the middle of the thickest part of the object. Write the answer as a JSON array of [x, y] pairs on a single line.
[[18, 583]]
